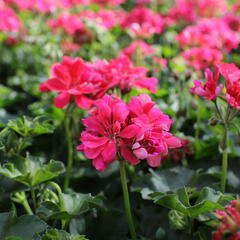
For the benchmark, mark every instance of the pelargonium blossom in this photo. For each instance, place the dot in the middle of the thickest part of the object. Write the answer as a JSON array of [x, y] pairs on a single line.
[[202, 57], [86, 82], [74, 78], [211, 89], [142, 22], [69, 22], [8, 20], [229, 222], [138, 45], [232, 74], [136, 131]]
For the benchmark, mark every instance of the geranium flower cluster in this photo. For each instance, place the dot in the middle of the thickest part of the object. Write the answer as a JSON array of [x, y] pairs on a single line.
[[86, 82], [192, 10], [213, 32], [229, 227], [9, 22], [143, 22], [207, 40], [212, 90], [106, 18], [133, 131]]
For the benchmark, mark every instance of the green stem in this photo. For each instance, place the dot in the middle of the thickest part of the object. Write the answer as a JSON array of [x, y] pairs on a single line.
[[126, 200], [61, 202], [67, 123], [34, 198], [224, 159], [20, 197]]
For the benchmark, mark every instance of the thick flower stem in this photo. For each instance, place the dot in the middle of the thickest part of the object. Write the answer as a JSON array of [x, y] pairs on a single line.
[[126, 200], [70, 152], [224, 159], [33, 195]]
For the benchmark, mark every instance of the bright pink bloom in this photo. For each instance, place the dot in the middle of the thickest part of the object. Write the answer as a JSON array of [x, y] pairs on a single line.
[[203, 57], [229, 222], [8, 20], [108, 2], [143, 22], [138, 45], [106, 18], [137, 131], [211, 89], [127, 76], [103, 127], [69, 22], [155, 139], [192, 10], [232, 74], [214, 33], [233, 22], [74, 78]]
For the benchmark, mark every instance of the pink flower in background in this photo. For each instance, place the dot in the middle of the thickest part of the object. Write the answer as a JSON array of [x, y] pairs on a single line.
[[233, 22], [214, 33], [106, 18], [203, 57], [211, 89], [232, 74], [108, 2], [192, 10], [138, 45], [160, 63], [69, 22], [143, 22], [137, 131], [127, 76], [229, 222], [8, 20]]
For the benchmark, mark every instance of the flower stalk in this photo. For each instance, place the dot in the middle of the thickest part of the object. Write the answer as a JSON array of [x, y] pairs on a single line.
[[67, 125], [126, 200]]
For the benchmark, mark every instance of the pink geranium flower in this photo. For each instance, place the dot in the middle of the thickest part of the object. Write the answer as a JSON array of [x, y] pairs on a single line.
[[229, 222], [74, 78], [202, 57], [69, 22], [143, 22], [232, 74], [8, 20], [137, 131], [211, 89], [138, 45]]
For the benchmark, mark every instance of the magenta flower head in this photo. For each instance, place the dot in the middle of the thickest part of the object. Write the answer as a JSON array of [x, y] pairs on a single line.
[[8, 20], [136, 131], [232, 75], [211, 89]]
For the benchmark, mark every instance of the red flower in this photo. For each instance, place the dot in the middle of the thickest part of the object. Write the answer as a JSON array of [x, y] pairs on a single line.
[[8, 20]]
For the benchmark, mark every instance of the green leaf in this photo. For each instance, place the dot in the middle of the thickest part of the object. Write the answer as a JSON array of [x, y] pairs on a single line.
[[29, 127], [55, 234], [24, 227], [205, 201], [31, 171], [75, 204], [163, 180]]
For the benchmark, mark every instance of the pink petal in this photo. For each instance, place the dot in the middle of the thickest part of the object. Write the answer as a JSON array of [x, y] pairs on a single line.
[[62, 100], [130, 131], [99, 164], [56, 84], [154, 161], [109, 152], [83, 102], [91, 141], [140, 153], [128, 155]]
